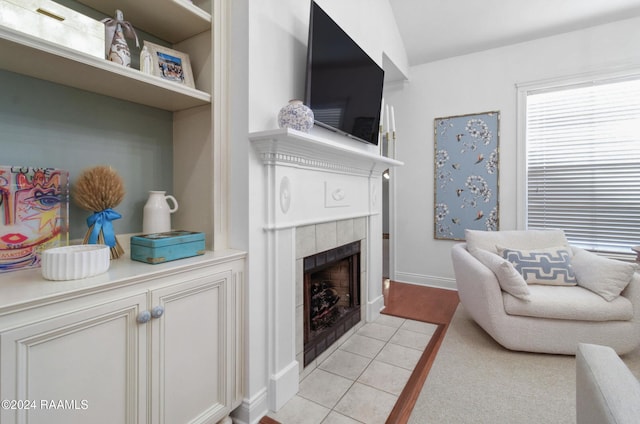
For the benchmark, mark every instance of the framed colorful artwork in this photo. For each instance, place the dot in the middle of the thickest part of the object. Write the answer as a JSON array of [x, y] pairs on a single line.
[[466, 174], [34, 206]]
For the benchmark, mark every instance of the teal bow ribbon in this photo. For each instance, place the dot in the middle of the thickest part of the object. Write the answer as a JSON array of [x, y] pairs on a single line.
[[102, 221]]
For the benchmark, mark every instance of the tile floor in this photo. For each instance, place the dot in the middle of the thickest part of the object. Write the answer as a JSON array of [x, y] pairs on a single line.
[[361, 381]]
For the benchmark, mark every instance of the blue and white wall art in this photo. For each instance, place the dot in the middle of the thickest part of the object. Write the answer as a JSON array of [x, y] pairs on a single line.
[[466, 174]]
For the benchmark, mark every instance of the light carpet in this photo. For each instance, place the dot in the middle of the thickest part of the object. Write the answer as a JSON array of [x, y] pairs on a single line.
[[475, 380]]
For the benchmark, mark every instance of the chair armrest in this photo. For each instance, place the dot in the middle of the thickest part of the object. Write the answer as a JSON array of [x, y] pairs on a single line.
[[606, 390], [632, 292], [478, 286]]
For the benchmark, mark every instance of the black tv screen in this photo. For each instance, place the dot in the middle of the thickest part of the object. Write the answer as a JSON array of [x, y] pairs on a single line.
[[343, 85]]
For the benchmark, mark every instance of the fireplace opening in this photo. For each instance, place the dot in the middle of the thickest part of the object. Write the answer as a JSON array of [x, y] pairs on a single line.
[[331, 297]]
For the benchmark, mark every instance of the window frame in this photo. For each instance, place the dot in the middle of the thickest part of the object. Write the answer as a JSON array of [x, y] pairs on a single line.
[[565, 82]]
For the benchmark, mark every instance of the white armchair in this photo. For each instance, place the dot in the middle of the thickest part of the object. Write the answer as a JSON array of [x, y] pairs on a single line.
[[550, 319]]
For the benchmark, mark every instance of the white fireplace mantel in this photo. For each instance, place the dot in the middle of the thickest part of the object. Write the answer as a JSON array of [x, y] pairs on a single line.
[[287, 146], [310, 180]]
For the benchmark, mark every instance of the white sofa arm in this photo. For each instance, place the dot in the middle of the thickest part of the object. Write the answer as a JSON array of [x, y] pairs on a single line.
[[606, 390], [478, 287], [632, 292]]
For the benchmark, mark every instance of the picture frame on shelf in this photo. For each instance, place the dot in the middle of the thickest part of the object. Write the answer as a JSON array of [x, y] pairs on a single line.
[[170, 65]]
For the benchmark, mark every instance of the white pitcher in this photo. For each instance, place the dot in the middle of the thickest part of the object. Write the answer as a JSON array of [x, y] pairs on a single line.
[[156, 216]]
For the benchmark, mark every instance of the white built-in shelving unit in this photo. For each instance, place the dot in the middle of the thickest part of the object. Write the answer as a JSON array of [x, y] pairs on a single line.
[[199, 119], [102, 315], [39, 58]]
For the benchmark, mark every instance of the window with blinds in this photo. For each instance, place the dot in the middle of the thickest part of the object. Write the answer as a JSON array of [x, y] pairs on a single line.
[[583, 163]]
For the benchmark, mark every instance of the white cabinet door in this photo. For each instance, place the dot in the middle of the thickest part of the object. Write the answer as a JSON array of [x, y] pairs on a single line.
[[83, 366], [166, 350], [188, 359]]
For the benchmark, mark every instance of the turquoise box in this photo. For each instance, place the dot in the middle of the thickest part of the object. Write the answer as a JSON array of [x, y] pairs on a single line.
[[163, 247]]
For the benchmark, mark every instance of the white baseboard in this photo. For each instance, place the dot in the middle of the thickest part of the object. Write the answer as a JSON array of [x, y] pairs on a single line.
[[426, 280], [374, 307], [283, 386], [251, 410]]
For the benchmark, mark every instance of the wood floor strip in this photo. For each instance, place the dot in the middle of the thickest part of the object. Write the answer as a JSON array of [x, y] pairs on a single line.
[[406, 401], [268, 420], [420, 303]]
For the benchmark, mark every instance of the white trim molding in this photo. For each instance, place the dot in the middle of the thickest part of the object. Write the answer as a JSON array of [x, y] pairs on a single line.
[[310, 180], [295, 148], [426, 280]]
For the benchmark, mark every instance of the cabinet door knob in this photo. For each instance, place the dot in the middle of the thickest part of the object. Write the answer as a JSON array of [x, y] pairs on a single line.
[[157, 311], [143, 317]]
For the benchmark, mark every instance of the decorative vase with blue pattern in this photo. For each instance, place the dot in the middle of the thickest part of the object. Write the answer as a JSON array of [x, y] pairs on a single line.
[[296, 115]]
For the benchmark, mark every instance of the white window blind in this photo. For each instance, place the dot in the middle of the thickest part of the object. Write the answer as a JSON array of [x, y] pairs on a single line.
[[583, 164]]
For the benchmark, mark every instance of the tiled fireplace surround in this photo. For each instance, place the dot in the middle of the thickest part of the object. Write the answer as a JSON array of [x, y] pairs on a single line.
[[316, 238], [319, 194]]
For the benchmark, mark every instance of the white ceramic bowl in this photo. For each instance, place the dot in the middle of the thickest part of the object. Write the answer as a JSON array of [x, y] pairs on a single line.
[[74, 262]]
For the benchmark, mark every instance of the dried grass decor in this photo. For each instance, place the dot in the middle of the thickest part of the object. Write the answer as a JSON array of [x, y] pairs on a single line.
[[99, 190]]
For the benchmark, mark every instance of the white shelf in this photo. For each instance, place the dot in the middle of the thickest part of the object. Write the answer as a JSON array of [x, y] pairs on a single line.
[[27, 288], [28, 55], [170, 20], [311, 151]]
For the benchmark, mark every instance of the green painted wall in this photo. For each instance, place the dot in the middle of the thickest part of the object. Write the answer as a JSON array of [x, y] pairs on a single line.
[[49, 125]]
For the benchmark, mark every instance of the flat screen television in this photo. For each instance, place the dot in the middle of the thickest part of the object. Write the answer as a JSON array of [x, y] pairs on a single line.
[[343, 84]]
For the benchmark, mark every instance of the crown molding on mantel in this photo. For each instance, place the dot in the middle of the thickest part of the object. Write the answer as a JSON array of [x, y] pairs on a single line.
[[296, 148]]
